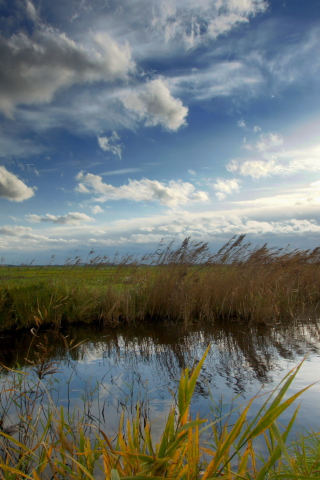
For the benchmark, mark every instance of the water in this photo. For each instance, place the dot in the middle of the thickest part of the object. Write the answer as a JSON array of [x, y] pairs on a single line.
[[112, 369]]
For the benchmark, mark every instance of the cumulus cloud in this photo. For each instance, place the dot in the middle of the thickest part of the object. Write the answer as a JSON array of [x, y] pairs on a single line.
[[156, 105], [71, 218], [286, 227], [34, 67], [253, 168], [211, 225], [27, 233], [265, 142], [97, 209], [15, 231], [111, 144], [12, 188], [171, 194], [226, 187]]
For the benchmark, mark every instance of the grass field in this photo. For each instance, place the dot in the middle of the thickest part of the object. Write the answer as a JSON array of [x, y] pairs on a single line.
[[186, 284]]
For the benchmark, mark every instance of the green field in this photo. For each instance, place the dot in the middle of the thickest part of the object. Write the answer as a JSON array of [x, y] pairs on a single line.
[[186, 284]]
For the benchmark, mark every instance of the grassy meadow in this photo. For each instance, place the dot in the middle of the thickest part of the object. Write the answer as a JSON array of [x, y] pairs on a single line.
[[186, 284], [47, 443]]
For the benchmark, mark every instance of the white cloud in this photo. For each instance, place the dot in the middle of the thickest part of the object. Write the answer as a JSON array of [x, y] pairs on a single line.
[[266, 141], [71, 218], [31, 11], [171, 194], [156, 105], [241, 123], [35, 67], [26, 233], [235, 13], [269, 140], [190, 22], [97, 209], [224, 78], [226, 187], [297, 61], [264, 137], [15, 231], [284, 162], [285, 217], [299, 200], [207, 226], [253, 168], [110, 144], [12, 188]]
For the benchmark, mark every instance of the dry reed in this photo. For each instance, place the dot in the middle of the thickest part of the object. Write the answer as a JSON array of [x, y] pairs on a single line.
[[189, 284]]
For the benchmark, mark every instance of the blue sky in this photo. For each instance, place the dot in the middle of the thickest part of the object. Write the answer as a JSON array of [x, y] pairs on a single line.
[[126, 122]]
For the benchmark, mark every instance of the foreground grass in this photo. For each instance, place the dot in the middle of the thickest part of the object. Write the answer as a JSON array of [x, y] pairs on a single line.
[[53, 445], [185, 284]]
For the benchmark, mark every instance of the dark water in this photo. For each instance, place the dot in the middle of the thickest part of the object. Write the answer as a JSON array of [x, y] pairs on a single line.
[[112, 369]]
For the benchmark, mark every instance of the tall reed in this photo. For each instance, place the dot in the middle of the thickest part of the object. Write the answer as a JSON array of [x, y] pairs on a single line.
[[188, 283]]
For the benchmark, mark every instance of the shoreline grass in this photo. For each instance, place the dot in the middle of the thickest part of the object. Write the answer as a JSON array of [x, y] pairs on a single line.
[[184, 284], [50, 444]]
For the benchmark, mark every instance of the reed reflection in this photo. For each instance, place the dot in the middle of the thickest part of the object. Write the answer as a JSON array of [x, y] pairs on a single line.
[[240, 356]]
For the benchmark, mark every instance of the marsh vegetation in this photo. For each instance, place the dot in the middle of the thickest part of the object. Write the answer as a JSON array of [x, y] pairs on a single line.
[[251, 303], [184, 284]]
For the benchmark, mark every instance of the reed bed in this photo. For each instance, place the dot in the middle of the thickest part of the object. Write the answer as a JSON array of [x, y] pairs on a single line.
[[189, 284], [48, 444]]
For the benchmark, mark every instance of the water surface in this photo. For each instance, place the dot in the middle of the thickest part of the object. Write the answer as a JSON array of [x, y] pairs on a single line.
[[113, 368]]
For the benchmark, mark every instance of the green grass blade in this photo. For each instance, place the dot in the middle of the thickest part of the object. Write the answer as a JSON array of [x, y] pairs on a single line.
[[189, 425], [276, 454], [276, 432], [115, 474], [165, 440], [194, 377], [267, 420]]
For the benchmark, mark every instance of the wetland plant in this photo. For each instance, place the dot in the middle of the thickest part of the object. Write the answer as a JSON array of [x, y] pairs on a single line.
[[185, 284], [53, 444]]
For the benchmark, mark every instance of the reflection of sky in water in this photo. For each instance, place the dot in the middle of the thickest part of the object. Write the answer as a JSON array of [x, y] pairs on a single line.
[[112, 371]]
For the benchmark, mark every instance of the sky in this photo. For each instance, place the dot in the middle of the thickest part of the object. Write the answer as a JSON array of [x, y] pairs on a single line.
[[127, 122]]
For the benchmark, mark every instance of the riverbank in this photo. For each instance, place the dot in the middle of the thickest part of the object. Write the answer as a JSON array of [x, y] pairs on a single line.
[[187, 284], [48, 442]]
